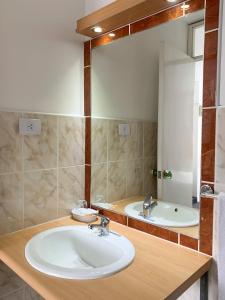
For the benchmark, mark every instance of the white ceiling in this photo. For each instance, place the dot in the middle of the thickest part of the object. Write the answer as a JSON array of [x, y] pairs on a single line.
[[92, 5]]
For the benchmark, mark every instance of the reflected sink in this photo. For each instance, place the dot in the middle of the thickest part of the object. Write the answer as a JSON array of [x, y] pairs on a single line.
[[165, 214], [76, 252]]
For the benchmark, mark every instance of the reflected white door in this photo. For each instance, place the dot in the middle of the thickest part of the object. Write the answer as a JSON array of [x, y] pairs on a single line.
[[175, 129]]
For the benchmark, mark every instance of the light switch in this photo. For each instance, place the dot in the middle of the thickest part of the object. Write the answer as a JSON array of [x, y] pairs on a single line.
[[124, 129], [29, 126]]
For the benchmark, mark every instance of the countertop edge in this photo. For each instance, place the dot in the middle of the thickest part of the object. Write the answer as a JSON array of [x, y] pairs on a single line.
[[22, 272]]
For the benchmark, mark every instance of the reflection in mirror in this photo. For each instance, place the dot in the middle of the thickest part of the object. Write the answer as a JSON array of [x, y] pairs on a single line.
[[146, 124]]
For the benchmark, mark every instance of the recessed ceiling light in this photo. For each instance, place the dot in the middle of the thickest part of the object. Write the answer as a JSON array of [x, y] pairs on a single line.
[[97, 29], [111, 34], [171, 1], [185, 6]]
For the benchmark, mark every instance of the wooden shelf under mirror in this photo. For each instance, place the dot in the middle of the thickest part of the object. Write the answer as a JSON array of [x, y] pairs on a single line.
[[161, 16]]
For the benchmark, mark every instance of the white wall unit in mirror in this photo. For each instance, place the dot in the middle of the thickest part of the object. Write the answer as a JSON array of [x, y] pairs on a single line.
[[196, 39], [148, 82]]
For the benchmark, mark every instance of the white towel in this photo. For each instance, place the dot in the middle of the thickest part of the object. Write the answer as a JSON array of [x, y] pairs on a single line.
[[220, 245]]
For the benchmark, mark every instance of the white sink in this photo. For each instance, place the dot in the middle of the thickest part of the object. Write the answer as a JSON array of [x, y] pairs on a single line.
[[166, 214], [76, 252]]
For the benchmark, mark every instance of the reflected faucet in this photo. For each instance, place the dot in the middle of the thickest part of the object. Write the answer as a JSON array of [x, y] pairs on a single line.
[[148, 205], [103, 227]]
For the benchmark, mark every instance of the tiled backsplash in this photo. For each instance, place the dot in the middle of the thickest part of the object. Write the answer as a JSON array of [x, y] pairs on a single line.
[[41, 176], [122, 165]]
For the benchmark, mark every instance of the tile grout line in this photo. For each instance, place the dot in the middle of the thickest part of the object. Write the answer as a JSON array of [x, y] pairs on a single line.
[[40, 170], [209, 107], [122, 119], [211, 30], [209, 182]]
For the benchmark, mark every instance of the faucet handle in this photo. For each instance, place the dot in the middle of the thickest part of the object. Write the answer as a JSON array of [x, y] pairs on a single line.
[[148, 197], [103, 227], [104, 220]]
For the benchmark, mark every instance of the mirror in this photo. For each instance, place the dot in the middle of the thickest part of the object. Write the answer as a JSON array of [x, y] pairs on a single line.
[[146, 124]]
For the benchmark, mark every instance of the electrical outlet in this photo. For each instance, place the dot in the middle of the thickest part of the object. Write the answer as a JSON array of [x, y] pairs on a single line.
[[29, 126], [124, 129]]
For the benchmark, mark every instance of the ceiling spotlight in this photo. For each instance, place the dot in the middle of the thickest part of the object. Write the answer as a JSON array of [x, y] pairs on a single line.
[[97, 29], [111, 34], [185, 6]]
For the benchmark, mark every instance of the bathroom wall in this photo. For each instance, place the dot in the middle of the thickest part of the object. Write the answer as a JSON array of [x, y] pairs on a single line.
[[24, 86], [41, 62], [41, 56], [121, 165], [41, 177], [92, 5], [220, 151], [219, 187], [41, 71]]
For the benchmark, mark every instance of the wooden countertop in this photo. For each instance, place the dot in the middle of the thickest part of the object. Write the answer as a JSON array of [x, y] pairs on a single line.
[[161, 270]]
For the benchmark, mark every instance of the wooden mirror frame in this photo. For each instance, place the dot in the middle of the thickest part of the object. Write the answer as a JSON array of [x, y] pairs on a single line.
[[205, 241]]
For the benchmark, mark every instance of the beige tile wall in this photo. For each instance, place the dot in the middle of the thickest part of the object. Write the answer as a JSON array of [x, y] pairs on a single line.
[[41, 178], [121, 166]]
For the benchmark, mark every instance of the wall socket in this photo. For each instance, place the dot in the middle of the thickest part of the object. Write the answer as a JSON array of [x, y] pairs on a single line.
[[124, 129], [29, 126]]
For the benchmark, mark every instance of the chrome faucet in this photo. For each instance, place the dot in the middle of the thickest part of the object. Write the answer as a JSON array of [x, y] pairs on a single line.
[[148, 205], [103, 227]]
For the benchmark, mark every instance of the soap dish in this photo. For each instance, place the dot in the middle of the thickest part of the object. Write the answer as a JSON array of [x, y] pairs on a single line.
[[86, 215]]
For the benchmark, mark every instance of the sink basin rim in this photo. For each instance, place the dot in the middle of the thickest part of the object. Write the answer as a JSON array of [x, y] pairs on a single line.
[[38, 263]]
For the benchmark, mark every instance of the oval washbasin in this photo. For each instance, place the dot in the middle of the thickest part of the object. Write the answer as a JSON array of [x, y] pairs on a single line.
[[76, 252], [165, 214]]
